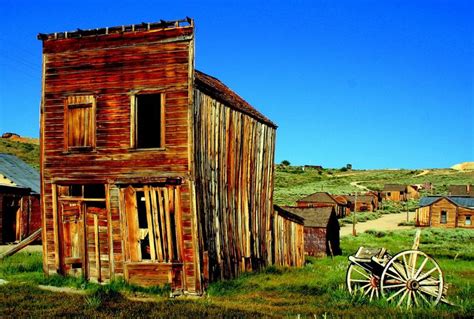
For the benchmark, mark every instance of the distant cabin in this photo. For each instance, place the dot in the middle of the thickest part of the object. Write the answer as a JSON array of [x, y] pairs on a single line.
[[152, 171], [363, 203], [323, 199], [461, 190], [398, 192], [445, 212], [321, 230], [20, 214]]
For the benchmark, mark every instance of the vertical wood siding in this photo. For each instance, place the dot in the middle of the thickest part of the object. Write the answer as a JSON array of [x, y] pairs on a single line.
[[288, 242], [234, 156]]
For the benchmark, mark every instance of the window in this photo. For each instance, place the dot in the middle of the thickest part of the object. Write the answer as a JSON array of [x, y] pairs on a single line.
[[79, 122], [147, 121], [467, 222], [444, 215]]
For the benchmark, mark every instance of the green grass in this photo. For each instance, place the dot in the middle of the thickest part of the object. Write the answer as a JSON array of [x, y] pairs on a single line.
[[28, 152], [292, 183], [316, 290]]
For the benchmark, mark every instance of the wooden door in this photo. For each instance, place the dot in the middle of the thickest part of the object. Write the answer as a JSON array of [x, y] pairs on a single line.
[[96, 243], [71, 232]]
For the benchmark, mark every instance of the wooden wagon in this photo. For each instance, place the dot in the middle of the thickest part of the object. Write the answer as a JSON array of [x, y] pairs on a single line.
[[408, 278]]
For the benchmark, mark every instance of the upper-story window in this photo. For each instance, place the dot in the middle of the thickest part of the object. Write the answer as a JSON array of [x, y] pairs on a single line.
[[79, 122], [147, 129]]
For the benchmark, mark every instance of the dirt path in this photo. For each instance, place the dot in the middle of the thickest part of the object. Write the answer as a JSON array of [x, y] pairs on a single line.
[[356, 184], [426, 171], [386, 222]]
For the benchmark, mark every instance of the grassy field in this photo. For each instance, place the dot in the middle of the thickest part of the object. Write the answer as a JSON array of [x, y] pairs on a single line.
[[314, 291], [28, 152], [292, 183]]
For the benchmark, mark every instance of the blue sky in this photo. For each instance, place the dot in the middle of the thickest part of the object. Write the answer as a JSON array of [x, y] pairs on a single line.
[[378, 84]]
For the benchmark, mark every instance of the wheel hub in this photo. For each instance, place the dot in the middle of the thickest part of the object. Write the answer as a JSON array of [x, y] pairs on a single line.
[[412, 284], [374, 282]]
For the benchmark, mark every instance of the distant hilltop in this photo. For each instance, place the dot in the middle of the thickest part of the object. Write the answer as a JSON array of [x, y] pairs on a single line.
[[17, 138], [466, 166]]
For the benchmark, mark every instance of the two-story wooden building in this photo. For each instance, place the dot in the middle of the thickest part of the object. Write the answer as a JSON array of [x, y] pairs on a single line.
[[150, 170]]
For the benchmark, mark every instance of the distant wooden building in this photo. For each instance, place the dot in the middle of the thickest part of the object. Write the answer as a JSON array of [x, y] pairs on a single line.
[[151, 170], [363, 203], [461, 190], [398, 192], [445, 212], [324, 199], [321, 230], [20, 213]]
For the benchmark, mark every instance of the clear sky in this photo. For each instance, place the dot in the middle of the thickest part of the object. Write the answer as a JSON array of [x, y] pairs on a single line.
[[378, 84]]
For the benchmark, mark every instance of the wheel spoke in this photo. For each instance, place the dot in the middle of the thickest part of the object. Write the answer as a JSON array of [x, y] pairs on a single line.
[[396, 294], [377, 293], [360, 272], [359, 280], [394, 286], [423, 297], [413, 258], [395, 267], [427, 275], [403, 297], [409, 299], [397, 278], [421, 268], [372, 293], [405, 267], [367, 291], [415, 299], [431, 284]]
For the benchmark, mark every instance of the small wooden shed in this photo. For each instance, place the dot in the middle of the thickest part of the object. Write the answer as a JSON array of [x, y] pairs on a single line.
[[151, 170], [20, 213], [398, 192], [288, 238], [324, 199], [321, 230], [445, 212]]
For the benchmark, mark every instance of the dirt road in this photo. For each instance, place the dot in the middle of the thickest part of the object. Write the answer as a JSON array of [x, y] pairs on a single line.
[[386, 222]]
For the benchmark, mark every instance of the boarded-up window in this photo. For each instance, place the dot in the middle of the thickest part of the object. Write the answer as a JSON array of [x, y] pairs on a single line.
[[79, 123], [148, 121], [153, 217], [444, 215]]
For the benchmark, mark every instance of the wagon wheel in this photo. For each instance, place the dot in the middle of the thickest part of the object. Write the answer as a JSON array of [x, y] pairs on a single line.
[[359, 279], [412, 278]]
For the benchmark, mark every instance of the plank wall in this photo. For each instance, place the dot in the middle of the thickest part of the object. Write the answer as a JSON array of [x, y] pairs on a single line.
[[112, 68], [234, 156]]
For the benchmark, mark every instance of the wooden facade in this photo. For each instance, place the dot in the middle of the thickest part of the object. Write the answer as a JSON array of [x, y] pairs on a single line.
[[20, 214], [445, 212], [397, 192], [151, 171]]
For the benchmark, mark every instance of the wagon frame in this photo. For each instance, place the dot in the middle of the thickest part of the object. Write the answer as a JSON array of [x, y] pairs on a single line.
[[408, 278]]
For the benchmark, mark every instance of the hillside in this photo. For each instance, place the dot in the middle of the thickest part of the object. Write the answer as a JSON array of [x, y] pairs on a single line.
[[27, 149], [292, 183]]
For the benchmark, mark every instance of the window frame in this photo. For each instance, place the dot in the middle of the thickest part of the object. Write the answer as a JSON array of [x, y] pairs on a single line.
[[134, 119], [468, 218], [74, 102], [441, 217]]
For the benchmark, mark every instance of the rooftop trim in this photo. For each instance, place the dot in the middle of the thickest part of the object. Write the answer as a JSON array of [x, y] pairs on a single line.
[[162, 24]]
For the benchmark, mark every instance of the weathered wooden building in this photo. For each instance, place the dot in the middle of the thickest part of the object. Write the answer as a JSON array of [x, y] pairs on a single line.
[[445, 211], [324, 199], [20, 213], [398, 192], [151, 170], [461, 190], [288, 238], [321, 230], [363, 203]]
